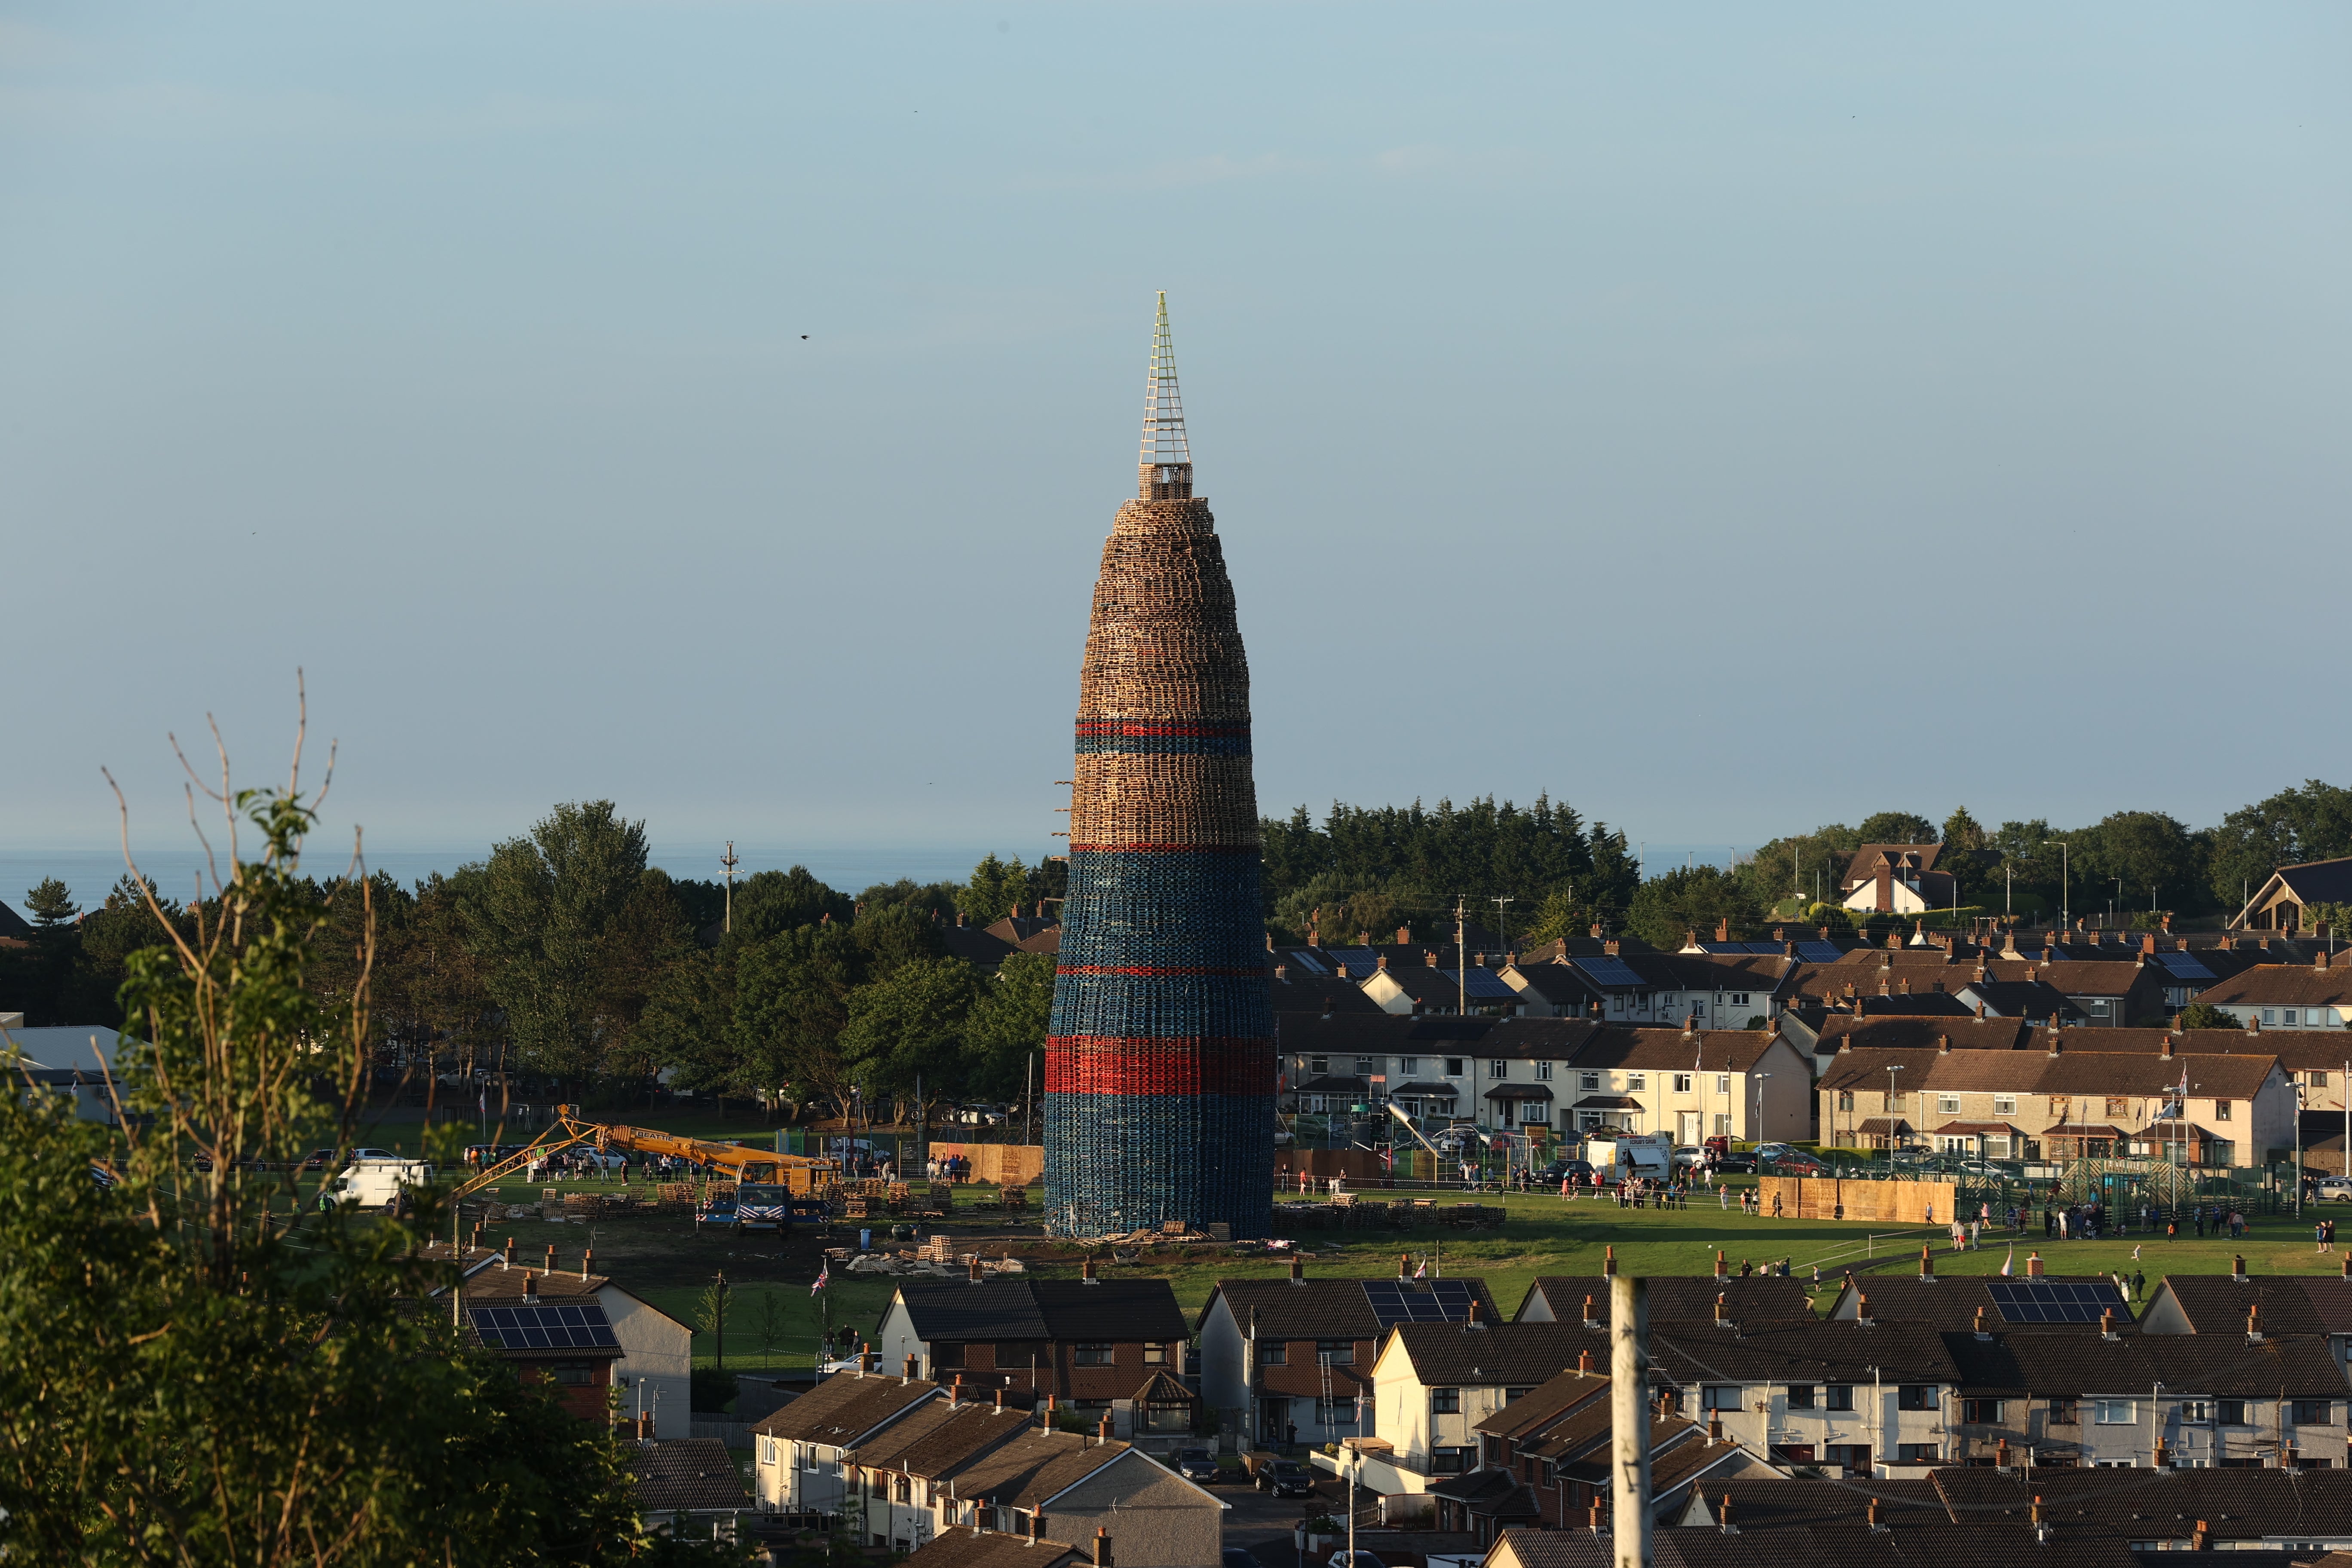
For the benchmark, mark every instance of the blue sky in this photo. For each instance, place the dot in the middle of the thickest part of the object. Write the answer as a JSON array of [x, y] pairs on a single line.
[[1730, 418]]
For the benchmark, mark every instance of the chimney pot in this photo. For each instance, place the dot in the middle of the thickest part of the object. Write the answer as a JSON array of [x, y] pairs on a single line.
[[910, 1368], [508, 1262], [1609, 1262], [587, 1262], [1297, 1269], [530, 1286]]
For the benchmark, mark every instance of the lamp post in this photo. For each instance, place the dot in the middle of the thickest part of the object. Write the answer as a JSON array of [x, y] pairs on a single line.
[[1891, 1072], [1756, 1121], [2065, 904]]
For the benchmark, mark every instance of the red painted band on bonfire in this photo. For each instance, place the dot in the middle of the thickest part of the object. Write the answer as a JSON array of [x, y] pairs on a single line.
[[1092, 1064], [1127, 727]]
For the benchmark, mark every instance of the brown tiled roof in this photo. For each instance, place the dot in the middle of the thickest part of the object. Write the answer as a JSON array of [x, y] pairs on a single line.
[[2085, 1364], [1031, 1468], [2032, 1000], [1508, 1354], [1863, 866], [961, 1548], [1065, 1311], [1661, 1050], [2073, 1071], [1969, 1033], [2291, 1304], [695, 1474], [1316, 1309], [937, 1438], [1949, 1303], [845, 1408], [2282, 984], [1546, 1404], [1674, 1296], [2237, 1505]]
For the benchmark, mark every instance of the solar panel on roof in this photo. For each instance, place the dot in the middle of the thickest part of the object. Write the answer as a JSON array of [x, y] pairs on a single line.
[[1309, 961], [1360, 961], [2184, 966], [1397, 1302], [1820, 952], [1483, 983], [2054, 1300], [1608, 971], [542, 1328]]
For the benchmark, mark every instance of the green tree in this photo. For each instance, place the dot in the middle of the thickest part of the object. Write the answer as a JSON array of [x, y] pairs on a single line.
[[907, 1027], [1007, 1027], [2158, 859], [772, 901], [52, 907], [2205, 1015], [1895, 827], [2313, 822], [995, 888], [1692, 898], [572, 928], [1963, 831], [790, 1001], [248, 1381]]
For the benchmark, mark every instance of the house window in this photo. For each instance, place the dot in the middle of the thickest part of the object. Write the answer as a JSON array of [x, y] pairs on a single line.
[[1635, 1082], [1365, 1066], [1090, 1355], [1845, 1099], [1739, 998], [1801, 1396], [2288, 1016], [1723, 1083], [2098, 1005], [1274, 1353], [1453, 1066], [2115, 1412], [1723, 1124], [571, 1374], [1948, 1104], [947, 1354], [2116, 1106], [1588, 1082], [1449, 1461], [1336, 1352], [2004, 1105], [1682, 1083], [767, 1450], [2222, 1110], [1982, 1412], [1155, 1354], [1408, 1066], [1918, 1454], [1498, 1067], [1543, 1072], [2220, 1152], [2230, 1412], [904, 1491], [1617, 1003], [2312, 1412], [2064, 1412], [1719, 1397], [1838, 1396], [1915, 1396], [1898, 1102], [2317, 1080], [2270, 1014], [1445, 1401], [1318, 1064], [2197, 1412]]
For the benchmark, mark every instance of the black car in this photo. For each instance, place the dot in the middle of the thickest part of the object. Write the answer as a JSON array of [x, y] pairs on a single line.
[[1196, 1464], [1285, 1477], [1559, 1170], [1738, 1161]]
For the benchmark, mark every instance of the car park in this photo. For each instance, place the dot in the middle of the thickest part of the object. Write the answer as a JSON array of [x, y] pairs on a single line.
[[1285, 1477]]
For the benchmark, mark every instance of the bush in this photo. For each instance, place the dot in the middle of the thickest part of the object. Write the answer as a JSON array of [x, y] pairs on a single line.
[[712, 1390]]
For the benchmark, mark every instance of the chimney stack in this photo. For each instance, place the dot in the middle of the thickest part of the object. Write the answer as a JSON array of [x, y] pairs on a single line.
[[587, 1263], [1297, 1269], [530, 1286], [910, 1368], [1862, 1308], [1723, 1269], [1102, 1432], [550, 1257], [1102, 1547], [2033, 1266], [507, 1262], [1592, 1322], [1404, 1265], [1927, 1262], [1609, 1263]]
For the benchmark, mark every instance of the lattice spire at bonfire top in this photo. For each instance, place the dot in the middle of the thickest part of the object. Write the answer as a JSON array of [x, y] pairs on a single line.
[[1166, 470]]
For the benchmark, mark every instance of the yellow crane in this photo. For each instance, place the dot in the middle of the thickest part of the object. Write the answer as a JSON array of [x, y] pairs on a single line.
[[801, 1174]]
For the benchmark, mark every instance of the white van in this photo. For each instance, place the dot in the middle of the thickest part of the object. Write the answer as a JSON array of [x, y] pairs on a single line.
[[1632, 1155], [377, 1183]]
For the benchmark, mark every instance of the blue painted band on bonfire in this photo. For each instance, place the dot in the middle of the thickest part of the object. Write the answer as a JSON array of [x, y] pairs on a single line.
[[1122, 1162]]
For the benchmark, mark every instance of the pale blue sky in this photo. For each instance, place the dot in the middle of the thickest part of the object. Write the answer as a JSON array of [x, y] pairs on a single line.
[[1731, 418]]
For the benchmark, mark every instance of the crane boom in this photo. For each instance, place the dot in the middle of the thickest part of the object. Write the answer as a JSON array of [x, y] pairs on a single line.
[[802, 1175]]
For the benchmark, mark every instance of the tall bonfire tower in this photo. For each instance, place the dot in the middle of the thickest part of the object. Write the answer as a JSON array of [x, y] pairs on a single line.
[[1159, 1062]]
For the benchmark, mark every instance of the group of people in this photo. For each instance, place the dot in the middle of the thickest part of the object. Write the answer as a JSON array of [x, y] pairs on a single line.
[[952, 1168]]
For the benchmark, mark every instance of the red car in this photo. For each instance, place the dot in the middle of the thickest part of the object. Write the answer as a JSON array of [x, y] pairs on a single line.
[[1794, 1164]]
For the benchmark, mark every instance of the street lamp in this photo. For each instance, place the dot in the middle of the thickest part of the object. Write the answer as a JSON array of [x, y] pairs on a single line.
[[1891, 1072], [1756, 1123], [2065, 905]]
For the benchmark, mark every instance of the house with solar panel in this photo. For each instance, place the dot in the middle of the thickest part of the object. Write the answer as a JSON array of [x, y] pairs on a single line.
[[567, 1343], [1279, 1355], [2312, 996], [653, 1372], [1717, 989], [1415, 989]]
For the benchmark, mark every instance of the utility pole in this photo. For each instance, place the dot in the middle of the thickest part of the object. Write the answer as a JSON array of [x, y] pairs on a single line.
[[1501, 937], [1461, 961], [730, 862], [1629, 1419]]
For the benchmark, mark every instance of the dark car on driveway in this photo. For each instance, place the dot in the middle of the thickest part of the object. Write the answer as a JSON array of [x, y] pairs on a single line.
[[1738, 1161], [1196, 1465], [1287, 1477]]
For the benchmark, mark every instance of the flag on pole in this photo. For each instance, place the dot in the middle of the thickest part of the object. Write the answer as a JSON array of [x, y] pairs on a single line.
[[1421, 1270], [2007, 1265], [823, 1278]]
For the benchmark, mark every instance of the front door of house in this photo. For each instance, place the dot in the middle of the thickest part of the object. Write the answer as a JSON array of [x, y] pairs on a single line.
[[1687, 1124]]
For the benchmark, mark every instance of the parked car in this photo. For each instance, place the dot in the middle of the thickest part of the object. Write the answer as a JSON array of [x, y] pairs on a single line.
[[1736, 1161], [2334, 1190], [1196, 1464], [1285, 1477], [1794, 1162], [1361, 1559], [1687, 1157], [1559, 1170]]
